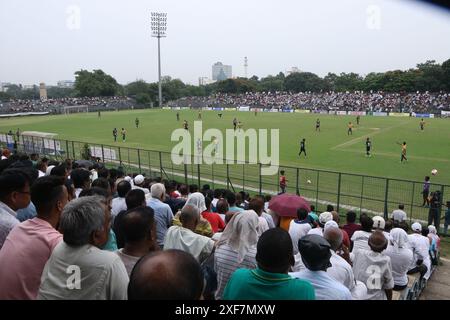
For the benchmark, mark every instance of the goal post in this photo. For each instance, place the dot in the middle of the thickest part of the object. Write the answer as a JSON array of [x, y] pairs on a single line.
[[75, 109]]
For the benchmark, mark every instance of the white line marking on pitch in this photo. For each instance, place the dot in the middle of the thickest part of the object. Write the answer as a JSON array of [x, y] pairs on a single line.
[[355, 140]]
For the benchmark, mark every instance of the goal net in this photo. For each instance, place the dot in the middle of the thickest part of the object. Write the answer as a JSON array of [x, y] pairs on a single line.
[[75, 109]]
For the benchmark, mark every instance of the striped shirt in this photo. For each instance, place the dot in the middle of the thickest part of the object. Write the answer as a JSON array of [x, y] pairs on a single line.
[[225, 263]]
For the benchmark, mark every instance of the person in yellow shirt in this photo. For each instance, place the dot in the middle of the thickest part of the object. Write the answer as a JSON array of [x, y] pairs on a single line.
[[403, 155], [350, 128], [422, 124]]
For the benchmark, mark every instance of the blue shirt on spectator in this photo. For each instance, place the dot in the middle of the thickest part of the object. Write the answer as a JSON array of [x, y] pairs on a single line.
[[26, 213], [163, 218]]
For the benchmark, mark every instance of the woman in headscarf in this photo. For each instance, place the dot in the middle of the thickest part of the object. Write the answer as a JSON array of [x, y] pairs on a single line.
[[197, 200], [435, 244], [401, 257], [236, 248]]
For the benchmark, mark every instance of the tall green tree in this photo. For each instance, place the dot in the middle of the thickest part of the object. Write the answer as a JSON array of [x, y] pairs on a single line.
[[304, 81], [95, 84]]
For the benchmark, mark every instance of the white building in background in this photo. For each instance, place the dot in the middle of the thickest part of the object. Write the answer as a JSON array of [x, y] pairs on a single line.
[[202, 81], [221, 71], [293, 70], [65, 84], [4, 86]]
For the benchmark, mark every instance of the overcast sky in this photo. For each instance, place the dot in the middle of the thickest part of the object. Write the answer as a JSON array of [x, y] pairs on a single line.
[[48, 41]]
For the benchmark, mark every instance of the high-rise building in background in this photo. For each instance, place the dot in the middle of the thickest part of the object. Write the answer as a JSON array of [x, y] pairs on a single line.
[[221, 71], [42, 91]]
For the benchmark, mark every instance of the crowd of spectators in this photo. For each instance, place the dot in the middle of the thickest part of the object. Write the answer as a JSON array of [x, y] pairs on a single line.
[[57, 105], [330, 101], [74, 225]]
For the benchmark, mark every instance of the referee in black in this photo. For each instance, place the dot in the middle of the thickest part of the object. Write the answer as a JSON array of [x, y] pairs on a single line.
[[368, 147], [302, 147]]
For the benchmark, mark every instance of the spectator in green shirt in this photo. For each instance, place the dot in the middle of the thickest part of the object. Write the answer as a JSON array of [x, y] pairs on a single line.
[[270, 280]]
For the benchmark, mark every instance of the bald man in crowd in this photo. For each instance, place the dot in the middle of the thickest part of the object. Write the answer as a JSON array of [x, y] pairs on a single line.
[[166, 275], [341, 269]]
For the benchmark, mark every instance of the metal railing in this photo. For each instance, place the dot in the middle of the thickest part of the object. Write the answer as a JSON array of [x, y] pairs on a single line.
[[345, 191]]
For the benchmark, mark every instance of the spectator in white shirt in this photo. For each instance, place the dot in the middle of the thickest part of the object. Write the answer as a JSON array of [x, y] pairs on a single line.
[[399, 215], [373, 268], [379, 224], [14, 195], [360, 238], [401, 257], [81, 179], [420, 246], [119, 204], [315, 252], [324, 217], [138, 181], [184, 238], [78, 269], [42, 167], [299, 227], [340, 269], [257, 205]]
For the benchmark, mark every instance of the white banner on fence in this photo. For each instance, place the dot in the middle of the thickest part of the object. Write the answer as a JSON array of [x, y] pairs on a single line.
[[52, 144], [207, 108], [380, 114], [243, 108], [273, 110], [341, 113], [445, 113], [166, 108], [7, 115], [109, 154], [323, 112], [357, 113], [302, 111]]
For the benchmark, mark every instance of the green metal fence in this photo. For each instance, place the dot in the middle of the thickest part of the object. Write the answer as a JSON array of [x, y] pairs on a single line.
[[345, 191]]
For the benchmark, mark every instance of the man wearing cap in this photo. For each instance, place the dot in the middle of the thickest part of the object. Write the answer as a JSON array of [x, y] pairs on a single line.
[[323, 218], [374, 269], [316, 254], [138, 181], [419, 244], [379, 224]]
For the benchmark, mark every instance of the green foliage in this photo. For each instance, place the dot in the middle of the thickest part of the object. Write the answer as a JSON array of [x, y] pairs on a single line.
[[143, 98], [304, 81], [95, 84], [56, 92], [5, 96], [239, 85]]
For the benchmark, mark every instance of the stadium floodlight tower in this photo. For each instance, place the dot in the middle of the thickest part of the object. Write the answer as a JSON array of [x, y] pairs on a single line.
[[159, 28]]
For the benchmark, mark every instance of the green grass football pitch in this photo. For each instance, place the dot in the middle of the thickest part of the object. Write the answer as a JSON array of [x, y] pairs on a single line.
[[330, 149]]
